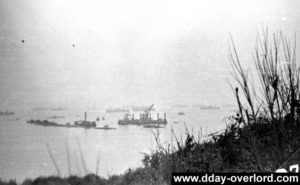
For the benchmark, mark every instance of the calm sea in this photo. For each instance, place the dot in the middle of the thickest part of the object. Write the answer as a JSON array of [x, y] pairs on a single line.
[[24, 153]]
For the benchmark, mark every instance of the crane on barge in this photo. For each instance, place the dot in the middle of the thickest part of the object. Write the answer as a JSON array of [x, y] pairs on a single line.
[[145, 118]]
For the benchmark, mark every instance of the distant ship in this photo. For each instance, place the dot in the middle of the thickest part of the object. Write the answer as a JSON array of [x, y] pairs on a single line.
[[6, 113], [209, 107], [180, 113], [179, 105], [228, 105], [116, 110], [39, 109], [197, 105], [56, 117], [58, 109]]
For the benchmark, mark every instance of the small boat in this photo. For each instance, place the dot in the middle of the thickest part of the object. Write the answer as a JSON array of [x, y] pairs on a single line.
[[181, 113], [106, 127]]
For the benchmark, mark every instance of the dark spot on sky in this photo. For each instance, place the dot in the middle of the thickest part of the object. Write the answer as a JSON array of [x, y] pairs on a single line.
[[23, 41], [73, 45]]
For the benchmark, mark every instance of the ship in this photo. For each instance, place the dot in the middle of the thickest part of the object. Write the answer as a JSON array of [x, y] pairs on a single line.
[[39, 109], [228, 105], [58, 109], [56, 117], [144, 119], [209, 107], [180, 105], [6, 113], [116, 110], [181, 113]]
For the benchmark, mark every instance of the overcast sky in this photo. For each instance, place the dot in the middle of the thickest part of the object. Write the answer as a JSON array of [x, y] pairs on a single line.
[[94, 52]]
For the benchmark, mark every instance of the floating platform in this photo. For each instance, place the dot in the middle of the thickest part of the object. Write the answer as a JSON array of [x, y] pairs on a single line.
[[49, 123], [84, 123]]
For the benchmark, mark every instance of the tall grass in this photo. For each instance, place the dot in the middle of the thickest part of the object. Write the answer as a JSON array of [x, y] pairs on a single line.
[[275, 110], [53, 160]]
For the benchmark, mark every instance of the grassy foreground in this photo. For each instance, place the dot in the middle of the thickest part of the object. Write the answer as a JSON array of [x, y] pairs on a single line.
[[263, 136]]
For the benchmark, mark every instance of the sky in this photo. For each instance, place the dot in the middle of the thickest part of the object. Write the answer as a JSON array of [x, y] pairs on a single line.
[[113, 53]]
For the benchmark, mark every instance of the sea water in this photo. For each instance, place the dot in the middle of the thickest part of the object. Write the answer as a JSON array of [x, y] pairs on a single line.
[[24, 152]]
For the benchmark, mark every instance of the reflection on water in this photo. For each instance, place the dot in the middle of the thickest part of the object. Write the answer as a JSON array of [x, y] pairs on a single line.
[[24, 154]]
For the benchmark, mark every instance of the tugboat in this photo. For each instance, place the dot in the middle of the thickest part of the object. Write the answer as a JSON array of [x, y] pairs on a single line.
[[85, 123], [145, 119]]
